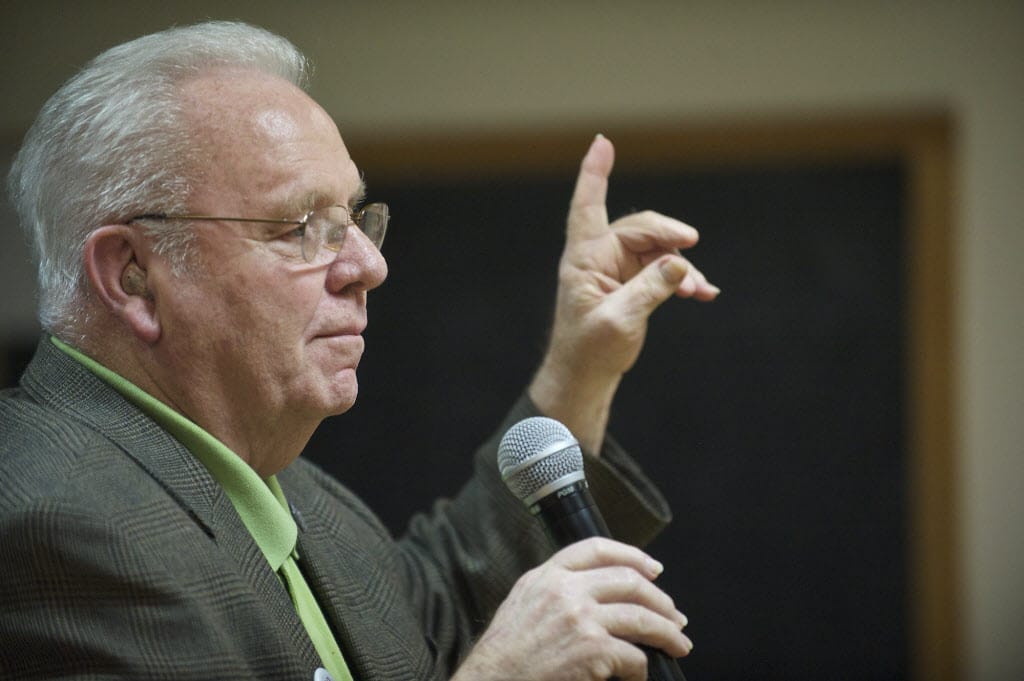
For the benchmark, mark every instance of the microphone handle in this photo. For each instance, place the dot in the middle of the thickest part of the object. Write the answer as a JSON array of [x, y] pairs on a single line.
[[571, 515]]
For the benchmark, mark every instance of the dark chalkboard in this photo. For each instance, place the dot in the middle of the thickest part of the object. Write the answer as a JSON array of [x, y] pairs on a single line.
[[773, 419]]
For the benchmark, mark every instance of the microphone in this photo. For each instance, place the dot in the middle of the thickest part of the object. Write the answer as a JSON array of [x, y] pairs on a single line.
[[542, 464]]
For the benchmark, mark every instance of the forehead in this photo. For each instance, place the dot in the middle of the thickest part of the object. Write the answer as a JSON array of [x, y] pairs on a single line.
[[263, 140]]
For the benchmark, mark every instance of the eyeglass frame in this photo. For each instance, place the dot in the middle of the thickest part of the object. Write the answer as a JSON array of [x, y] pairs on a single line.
[[354, 219]]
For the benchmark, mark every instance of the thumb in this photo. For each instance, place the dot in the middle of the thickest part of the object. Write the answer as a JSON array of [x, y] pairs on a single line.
[[652, 286], [588, 216]]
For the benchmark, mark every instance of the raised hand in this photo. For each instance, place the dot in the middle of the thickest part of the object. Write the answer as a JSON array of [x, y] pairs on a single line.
[[611, 277]]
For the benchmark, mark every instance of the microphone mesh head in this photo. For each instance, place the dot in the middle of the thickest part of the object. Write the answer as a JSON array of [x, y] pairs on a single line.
[[536, 452]]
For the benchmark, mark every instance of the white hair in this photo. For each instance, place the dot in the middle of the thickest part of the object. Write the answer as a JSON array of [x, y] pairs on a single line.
[[112, 143]]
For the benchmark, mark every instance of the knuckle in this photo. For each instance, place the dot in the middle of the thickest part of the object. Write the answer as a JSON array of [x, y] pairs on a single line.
[[530, 577], [592, 637], [611, 323], [545, 580], [630, 585], [634, 583], [557, 589], [641, 623], [577, 617], [637, 659], [633, 663], [604, 667], [604, 549]]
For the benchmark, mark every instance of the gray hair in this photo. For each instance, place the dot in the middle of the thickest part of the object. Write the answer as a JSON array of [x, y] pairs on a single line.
[[112, 143]]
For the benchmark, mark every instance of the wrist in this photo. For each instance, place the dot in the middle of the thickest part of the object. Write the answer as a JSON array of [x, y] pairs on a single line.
[[578, 398]]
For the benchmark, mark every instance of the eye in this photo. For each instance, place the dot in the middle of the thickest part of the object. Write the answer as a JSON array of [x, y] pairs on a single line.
[[292, 233]]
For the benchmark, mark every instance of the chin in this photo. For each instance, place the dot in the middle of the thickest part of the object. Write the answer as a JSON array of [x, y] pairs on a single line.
[[339, 409], [342, 393]]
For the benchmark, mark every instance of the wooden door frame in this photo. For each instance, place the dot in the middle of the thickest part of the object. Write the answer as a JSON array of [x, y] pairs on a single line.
[[924, 143]]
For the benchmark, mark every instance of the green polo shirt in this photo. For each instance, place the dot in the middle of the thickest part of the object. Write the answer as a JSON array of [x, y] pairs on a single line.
[[260, 504]]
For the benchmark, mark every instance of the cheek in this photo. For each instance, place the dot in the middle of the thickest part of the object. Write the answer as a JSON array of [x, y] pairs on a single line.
[[282, 311], [256, 305]]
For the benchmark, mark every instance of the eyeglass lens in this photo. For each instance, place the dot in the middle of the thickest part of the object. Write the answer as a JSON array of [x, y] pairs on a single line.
[[325, 230]]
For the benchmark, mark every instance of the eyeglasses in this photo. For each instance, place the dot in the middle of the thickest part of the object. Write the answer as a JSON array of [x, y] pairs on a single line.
[[321, 232]]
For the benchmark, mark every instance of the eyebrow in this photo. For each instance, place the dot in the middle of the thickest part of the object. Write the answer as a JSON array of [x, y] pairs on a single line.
[[318, 199], [359, 195]]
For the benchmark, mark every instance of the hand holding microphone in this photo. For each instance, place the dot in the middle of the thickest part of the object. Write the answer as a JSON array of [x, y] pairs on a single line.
[[591, 611]]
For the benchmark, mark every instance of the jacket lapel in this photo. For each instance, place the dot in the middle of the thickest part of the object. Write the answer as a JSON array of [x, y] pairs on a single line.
[[342, 561], [342, 576], [59, 381]]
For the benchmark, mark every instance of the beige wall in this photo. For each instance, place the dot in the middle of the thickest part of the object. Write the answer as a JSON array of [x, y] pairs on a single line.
[[388, 67]]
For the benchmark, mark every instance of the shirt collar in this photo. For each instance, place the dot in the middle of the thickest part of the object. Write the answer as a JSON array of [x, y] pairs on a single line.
[[260, 504]]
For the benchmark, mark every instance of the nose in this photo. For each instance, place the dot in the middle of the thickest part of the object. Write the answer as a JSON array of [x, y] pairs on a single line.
[[359, 264]]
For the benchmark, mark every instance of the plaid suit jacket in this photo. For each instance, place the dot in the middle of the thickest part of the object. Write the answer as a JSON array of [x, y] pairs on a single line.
[[121, 557]]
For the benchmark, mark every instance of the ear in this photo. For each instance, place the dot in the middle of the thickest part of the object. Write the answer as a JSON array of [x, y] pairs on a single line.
[[115, 260]]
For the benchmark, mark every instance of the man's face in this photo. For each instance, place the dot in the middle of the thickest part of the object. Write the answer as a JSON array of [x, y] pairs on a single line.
[[253, 326]]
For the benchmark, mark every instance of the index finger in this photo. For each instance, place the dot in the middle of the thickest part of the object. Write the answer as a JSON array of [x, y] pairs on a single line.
[[598, 552], [588, 216]]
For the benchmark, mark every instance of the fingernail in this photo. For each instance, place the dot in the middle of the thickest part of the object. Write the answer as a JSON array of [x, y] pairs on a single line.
[[682, 619], [599, 136], [715, 289], [672, 270], [656, 567]]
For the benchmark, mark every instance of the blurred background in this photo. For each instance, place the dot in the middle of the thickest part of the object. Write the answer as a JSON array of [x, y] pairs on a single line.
[[839, 435]]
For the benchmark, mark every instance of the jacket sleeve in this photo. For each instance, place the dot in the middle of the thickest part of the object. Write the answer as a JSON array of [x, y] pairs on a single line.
[[461, 560]]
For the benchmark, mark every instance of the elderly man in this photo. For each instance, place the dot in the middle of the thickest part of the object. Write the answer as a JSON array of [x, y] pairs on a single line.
[[204, 263]]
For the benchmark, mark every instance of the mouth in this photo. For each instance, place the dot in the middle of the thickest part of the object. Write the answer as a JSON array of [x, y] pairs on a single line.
[[346, 347], [350, 341], [338, 334], [349, 330]]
